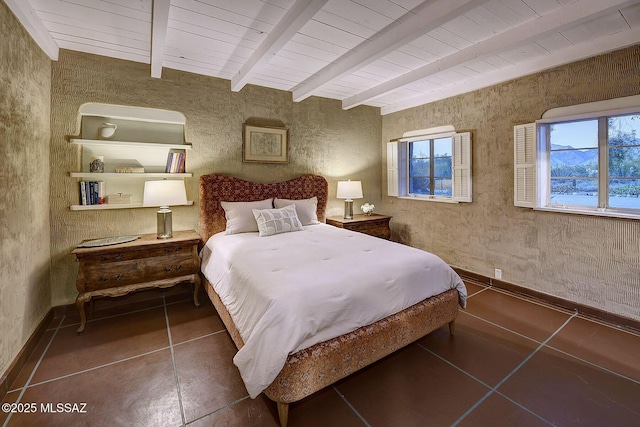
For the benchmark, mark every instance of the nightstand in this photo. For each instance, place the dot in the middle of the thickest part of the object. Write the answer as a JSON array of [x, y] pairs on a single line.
[[145, 263], [374, 224]]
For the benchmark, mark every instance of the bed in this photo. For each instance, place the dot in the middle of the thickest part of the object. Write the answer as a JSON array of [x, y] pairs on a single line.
[[305, 369]]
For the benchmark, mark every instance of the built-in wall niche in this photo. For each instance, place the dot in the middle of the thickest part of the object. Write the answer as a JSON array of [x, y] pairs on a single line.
[[133, 145]]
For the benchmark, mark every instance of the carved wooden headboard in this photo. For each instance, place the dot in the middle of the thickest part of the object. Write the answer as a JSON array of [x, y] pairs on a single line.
[[215, 188]]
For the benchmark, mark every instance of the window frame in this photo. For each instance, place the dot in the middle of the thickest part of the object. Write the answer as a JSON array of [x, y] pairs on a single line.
[[432, 166], [398, 165], [540, 167]]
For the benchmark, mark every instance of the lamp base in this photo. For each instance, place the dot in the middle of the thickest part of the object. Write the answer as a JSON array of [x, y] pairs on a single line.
[[165, 230], [348, 209]]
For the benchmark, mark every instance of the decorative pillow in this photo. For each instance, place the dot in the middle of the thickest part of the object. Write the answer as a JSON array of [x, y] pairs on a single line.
[[305, 208], [276, 221], [240, 216]]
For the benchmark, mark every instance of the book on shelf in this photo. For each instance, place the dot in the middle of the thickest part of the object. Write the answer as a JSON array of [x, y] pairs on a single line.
[[101, 193], [92, 192], [129, 169], [83, 193], [176, 160]]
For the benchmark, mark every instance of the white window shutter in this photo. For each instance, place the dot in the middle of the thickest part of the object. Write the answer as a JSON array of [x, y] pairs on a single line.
[[461, 167], [392, 168], [524, 160]]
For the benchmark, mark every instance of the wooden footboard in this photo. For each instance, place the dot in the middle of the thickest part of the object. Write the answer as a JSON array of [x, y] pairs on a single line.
[[322, 364]]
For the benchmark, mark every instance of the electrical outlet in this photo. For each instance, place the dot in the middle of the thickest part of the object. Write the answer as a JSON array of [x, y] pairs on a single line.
[[498, 273]]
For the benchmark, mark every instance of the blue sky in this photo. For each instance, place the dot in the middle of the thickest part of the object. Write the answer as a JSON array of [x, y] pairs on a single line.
[[584, 134]]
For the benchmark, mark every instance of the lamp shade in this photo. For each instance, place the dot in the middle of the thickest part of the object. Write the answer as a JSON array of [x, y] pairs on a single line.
[[349, 190], [164, 193]]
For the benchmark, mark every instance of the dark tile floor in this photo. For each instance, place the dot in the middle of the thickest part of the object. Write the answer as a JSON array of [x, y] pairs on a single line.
[[162, 362]]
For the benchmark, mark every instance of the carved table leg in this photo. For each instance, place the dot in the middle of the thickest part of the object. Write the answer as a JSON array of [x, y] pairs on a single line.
[[283, 413], [80, 306], [196, 289]]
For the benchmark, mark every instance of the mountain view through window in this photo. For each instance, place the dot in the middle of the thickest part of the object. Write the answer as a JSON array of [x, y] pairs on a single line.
[[577, 161]]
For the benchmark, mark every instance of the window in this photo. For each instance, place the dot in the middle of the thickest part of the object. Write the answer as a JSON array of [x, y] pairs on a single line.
[[623, 175], [589, 163], [430, 167], [573, 161], [430, 164]]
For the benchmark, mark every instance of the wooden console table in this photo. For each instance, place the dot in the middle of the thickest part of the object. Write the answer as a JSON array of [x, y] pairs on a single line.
[[145, 263]]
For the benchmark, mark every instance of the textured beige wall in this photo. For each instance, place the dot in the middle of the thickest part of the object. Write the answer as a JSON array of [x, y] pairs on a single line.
[[324, 140], [591, 260], [25, 84]]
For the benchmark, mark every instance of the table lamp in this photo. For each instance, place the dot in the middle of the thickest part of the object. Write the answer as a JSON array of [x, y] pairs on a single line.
[[349, 190], [164, 193]]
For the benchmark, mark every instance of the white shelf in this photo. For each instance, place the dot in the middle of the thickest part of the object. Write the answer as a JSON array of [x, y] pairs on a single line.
[[144, 137], [96, 175], [129, 144], [123, 112], [115, 206]]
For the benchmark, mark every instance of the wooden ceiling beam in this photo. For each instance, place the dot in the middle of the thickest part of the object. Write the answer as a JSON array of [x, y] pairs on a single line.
[[159, 22], [295, 18], [426, 17], [31, 22], [556, 21], [567, 55]]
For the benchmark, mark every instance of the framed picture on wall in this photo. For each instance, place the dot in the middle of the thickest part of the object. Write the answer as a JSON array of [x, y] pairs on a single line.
[[265, 144]]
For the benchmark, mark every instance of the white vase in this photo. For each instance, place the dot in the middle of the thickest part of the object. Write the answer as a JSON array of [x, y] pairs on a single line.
[[107, 130]]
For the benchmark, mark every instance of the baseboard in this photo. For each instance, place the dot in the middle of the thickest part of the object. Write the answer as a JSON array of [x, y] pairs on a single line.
[[19, 361], [595, 313]]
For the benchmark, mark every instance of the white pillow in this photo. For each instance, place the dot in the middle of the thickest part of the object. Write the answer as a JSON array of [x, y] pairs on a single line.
[[240, 216], [276, 221], [305, 208]]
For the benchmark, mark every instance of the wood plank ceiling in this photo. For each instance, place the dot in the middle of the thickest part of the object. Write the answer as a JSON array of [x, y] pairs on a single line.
[[393, 54]]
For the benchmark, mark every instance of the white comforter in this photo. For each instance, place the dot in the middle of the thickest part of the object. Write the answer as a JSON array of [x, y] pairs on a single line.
[[290, 291]]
